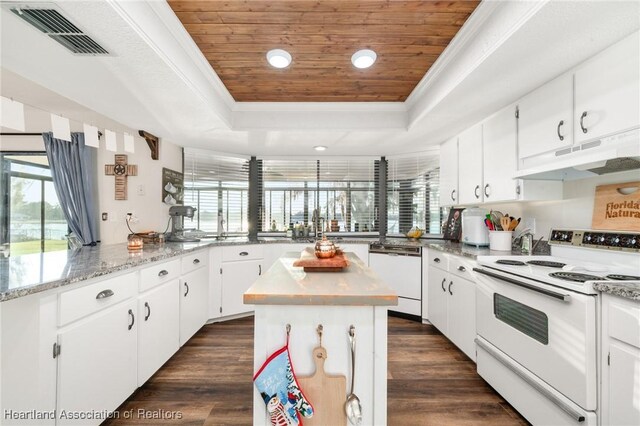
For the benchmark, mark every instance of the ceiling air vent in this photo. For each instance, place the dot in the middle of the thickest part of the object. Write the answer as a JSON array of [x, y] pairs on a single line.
[[59, 28]]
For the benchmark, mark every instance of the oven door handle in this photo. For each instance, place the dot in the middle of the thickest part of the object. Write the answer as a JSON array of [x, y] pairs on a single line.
[[577, 416], [560, 296]]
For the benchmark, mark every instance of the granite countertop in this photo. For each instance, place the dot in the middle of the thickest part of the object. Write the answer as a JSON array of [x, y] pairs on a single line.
[[285, 284], [473, 252], [626, 289]]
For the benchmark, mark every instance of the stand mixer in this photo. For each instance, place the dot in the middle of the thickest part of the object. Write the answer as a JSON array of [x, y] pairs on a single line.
[[177, 214]]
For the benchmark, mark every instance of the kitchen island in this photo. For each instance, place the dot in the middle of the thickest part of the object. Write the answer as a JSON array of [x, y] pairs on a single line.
[[356, 296]]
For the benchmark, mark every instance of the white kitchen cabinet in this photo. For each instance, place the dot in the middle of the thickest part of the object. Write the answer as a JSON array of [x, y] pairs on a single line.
[[620, 361], [500, 159], [159, 328], [470, 179], [237, 277], [194, 302], [97, 362], [215, 282], [360, 250], [606, 91], [449, 173], [545, 118], [452, 300], [437, 301]]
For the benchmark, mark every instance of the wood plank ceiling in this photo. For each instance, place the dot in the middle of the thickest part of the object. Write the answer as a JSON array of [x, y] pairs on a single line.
[[321, 36]]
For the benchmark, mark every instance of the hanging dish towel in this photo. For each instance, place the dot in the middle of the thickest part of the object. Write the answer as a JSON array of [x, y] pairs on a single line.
[[276, 382]]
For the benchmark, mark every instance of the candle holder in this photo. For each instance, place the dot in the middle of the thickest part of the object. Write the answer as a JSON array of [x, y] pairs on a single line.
[[134, 243]]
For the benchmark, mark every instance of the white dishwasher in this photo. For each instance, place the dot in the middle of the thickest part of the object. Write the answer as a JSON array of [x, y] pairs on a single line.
[[401, 268]]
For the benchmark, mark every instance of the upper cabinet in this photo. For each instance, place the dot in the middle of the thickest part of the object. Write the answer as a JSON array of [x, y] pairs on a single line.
[[470, 165], [545, 118], [607, 91], [449, 173], [500, 158]]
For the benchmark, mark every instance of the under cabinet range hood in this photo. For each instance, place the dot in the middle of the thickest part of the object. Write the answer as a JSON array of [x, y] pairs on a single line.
[[616, 153]]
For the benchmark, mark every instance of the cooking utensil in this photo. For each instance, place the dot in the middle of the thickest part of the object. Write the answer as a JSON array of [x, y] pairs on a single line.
[[495, 218], [325, 391], [352, 406], [505, 223]]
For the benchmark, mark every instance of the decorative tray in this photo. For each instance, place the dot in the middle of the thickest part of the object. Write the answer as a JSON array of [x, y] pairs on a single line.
[[311, 263]]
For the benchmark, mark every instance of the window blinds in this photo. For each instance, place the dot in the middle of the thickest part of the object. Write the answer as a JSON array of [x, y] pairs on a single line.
[[339, 190], [412, 193], [218, 186]]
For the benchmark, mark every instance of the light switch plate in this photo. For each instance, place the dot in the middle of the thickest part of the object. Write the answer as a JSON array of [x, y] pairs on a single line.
[[140, 190], [530, 222]]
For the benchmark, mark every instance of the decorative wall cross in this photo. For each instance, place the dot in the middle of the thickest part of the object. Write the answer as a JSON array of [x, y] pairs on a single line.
[[121, 170]]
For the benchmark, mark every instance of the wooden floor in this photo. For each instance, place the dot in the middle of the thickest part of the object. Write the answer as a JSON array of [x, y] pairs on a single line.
[[209, 382]]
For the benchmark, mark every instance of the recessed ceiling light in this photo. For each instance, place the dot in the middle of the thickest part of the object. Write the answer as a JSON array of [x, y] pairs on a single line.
[[279, 58], [363, 58], [320, 148]]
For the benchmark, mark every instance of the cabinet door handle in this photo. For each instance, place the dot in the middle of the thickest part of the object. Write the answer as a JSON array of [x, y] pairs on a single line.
[[163, 273], [146, 305], [436, 259], [560, 124], [244, 253], [462, 268], [584, 129], [259, 269], [133, 319], [196, 261], [475, 191], [450, 284], [453, 196], [486, 190], [442, 285], [104, 294], [186, 286]]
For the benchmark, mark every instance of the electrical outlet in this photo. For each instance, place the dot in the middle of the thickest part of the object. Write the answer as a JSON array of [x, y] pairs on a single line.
[[530, 222], [140, 190]]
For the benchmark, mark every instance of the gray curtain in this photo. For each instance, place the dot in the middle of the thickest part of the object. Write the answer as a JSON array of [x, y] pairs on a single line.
[[73, 171]]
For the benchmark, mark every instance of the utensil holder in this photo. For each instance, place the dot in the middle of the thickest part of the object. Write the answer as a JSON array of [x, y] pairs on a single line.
[[500, 240]]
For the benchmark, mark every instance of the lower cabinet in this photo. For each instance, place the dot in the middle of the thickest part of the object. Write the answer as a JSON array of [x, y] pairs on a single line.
[[237, 277], [159, 328], [194, 302], [620, 361], [97, 363], [452, 306]]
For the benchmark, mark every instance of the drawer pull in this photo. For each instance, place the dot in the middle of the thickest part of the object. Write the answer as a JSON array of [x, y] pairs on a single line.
[[186, 286], [442, 285], [146, 305], [450, 284], [462, 268], [163, 273], [196, 261], [133, 319], [436, 259], [244, 253], [104, 294]]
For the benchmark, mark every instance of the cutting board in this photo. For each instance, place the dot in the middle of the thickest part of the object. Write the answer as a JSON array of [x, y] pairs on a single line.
[[617, 207], [311, 263], [327, 393]]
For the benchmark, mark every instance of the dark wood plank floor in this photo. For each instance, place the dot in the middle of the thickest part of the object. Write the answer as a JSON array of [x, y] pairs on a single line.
[[209, 382]]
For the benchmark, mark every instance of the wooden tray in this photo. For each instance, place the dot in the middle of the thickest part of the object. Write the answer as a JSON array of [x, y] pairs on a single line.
[[311, 263], [617, 207]]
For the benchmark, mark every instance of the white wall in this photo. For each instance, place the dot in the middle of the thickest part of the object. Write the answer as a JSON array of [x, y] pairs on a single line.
[[575, 210], [149, 208]]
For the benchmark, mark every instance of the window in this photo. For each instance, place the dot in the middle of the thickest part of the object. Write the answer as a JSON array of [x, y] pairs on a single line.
[[30, 213], [413, 194], [340, 191], [218, 187]]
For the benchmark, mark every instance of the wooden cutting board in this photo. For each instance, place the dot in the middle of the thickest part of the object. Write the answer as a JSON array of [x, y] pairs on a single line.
[[617, 207], [327, 393], [311, 263]]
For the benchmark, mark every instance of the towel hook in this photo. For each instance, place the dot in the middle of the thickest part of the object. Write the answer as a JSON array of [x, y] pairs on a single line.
[[319, 331], [288, 328]]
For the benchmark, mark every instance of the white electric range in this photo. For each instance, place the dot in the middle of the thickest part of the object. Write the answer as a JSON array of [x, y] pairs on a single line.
[[537, 318]]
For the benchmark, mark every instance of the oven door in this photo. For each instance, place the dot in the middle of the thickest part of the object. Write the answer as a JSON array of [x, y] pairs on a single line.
[[548, 330]]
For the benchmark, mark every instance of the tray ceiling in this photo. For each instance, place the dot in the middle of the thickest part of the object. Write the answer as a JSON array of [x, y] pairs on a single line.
[[408, 36]]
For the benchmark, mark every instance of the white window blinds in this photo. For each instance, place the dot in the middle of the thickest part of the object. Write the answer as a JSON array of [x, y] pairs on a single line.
[[412, 194], [218, 186]]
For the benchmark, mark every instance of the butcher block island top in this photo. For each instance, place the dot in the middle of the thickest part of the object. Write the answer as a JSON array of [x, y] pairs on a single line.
[[285, 284]]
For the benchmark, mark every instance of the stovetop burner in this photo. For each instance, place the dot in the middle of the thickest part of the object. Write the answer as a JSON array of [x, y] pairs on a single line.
[[546, 263], [619, 277], [510, 262], [575, 277]]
